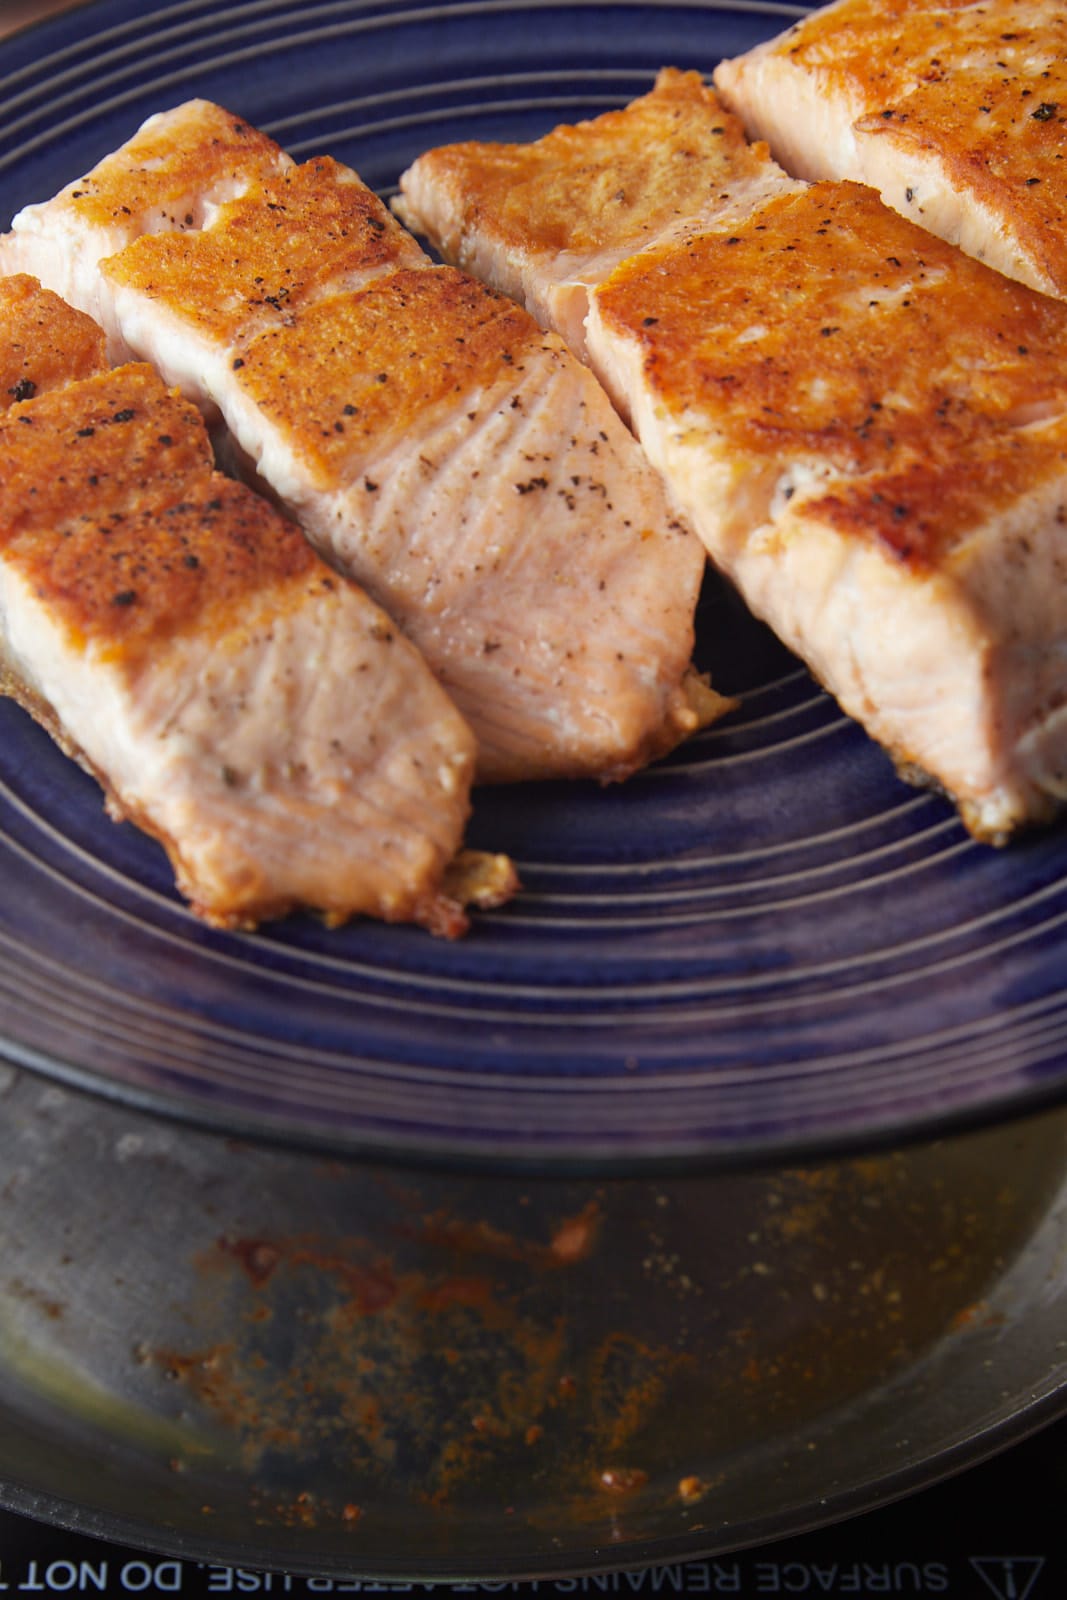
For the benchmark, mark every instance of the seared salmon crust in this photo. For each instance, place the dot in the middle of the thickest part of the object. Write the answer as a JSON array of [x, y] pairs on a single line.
[[235, 697], [956, 113], [432, 441], [867, 428]]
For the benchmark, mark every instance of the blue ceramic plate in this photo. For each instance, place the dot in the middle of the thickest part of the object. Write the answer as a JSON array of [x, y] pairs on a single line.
[[765, 945]]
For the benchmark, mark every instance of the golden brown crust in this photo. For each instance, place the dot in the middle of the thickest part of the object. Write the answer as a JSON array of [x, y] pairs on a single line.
[[269, 252], [110, 508], [45, 343], [130, 584], [472, 878], [828, 330], [155, 172], [360, 370], [582, 188], [921, 510], [118, 439], [984, 87]]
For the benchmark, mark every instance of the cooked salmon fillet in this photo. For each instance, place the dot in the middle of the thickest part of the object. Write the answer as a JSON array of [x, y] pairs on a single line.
[[172, 175], [956, 112], [869, 431], [235, 697], [545, 222], [435, 444]]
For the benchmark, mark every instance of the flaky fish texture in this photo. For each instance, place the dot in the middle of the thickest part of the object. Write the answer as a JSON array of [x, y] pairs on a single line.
[[433, 442], [867, 428], [954, 110], [236, 698]]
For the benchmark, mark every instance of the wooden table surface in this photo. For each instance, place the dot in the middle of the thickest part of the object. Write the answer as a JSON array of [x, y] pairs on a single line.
[[17, 13]]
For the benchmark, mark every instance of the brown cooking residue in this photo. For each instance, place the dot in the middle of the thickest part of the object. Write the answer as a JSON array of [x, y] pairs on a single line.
[[258, 1258], [445, 1369], [471, 1370], [977, 1315], [474, 1293], [214, 1378], [371, 1288], [573, 1239], [484, 1364], [18, 1289], [629, 1382], [622, 1480]]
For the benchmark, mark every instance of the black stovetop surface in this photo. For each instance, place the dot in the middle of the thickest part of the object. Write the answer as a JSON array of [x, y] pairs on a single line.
[[997, 1531]]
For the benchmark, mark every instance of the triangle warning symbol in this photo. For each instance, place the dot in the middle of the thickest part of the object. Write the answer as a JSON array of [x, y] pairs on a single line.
[[1008, 1577]]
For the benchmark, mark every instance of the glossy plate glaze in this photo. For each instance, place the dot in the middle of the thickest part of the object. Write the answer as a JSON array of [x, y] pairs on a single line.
[[765, 945]]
